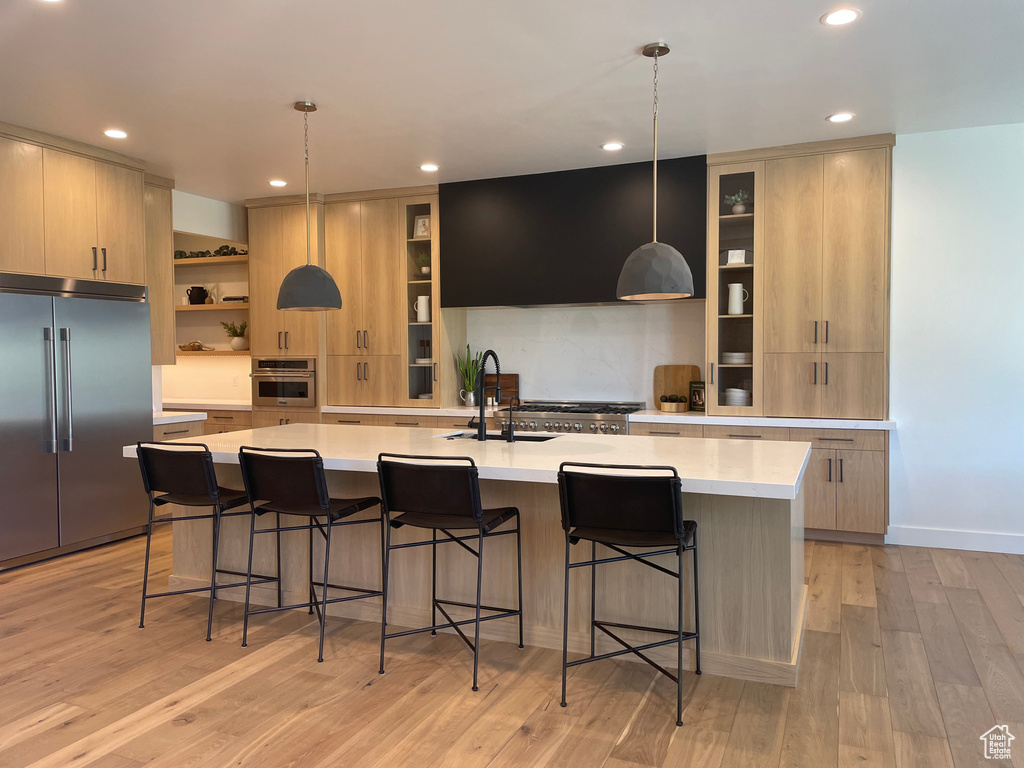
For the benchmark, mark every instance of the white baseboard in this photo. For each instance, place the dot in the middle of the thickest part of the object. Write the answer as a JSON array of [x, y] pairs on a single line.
[[940, 538]]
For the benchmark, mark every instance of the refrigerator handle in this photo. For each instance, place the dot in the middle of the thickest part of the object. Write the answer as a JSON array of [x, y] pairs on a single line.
[[65, 338], [51, 385]]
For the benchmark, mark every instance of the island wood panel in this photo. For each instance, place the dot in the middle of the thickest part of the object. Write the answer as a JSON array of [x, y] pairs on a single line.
[[751, 581], [855, 278], [21, 207], [792, 256], [69, 194]]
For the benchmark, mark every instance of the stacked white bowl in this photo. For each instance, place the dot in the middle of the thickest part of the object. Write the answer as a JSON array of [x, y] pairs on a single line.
[[738, 397], [737, 358]]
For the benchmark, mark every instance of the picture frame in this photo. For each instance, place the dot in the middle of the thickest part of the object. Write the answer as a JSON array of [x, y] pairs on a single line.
[[697, 396], [421, 228], [736, 257]]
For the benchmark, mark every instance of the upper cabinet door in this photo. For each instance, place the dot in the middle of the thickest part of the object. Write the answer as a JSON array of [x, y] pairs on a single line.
[[853, 386], [792, 250], [382, 276], [21, 207], [120, 224], [301, 328], [855, 278], [160, 272], [266, 327], [342, 250], [69, 194]]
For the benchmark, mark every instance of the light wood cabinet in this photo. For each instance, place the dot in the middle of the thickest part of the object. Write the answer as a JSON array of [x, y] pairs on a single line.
[[277, 244], [343, 259], [860, 491], [427, 422], [666, 430], [853, 385], [21, 207], [218, 422], [791, 384], [363, 379], [69, 194], [352, 419], [792, 254], [819, 490], [160, 272], [177, 431], [120, 224], [276, 418], [740, 432]]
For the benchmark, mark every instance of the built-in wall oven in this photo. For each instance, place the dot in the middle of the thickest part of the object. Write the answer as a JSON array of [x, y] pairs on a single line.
[[280, 382]]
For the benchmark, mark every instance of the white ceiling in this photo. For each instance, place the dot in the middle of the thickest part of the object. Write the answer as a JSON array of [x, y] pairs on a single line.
[[488, 87]]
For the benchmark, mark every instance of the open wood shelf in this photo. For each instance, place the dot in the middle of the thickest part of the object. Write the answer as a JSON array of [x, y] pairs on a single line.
[[735, 365], [228, 307], [739, 317], [735, 266], [210, 261], [213, 353]]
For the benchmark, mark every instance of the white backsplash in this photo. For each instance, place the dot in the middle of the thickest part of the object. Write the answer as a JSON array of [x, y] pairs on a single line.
[[590, 353], [209, 378]]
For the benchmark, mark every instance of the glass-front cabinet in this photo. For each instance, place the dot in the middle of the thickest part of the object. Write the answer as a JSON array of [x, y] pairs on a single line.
[[735, 300], [422, 302]]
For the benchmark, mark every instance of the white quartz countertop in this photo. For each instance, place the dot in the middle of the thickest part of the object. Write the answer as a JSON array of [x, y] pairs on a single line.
[[691, 417], [176, 417], [765, 469], [207, 405], [399, 411]]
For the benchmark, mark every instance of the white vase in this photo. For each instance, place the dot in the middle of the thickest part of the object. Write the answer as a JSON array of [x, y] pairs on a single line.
[[737, 295], [239, 343], [739, 208]]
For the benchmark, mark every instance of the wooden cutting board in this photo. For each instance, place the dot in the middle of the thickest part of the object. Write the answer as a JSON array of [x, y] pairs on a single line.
[[674, 380]]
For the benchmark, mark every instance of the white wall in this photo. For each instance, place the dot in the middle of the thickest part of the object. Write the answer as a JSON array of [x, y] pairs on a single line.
[[590, 353], [957, 341], [206, 379], [204, 216]]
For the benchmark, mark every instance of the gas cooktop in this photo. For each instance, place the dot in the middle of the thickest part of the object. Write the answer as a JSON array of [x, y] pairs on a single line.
[[567, 416]]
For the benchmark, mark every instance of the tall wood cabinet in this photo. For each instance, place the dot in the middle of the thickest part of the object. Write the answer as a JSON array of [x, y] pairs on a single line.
[[160, 268], [823, 309], [21, 207], [277, 244]]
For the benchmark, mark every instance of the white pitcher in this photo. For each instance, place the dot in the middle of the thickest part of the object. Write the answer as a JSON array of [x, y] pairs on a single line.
[[737, 295], [422, 307]]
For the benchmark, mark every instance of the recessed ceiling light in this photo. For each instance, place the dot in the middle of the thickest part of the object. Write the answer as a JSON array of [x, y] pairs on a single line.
[[278, 183], [51, 1], [839, 17], [114, 133], [840, 117], [428, 167], [612, 146]]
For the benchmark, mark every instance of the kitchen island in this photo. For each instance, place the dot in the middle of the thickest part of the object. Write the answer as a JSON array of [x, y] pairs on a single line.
[[746, 497]]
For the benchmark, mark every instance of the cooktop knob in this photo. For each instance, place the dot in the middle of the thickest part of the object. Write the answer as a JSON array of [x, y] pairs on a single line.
[[547, 426], [533, 425], [578, 427], [556, 426], [604, 427], [593, 427], [615, 428]]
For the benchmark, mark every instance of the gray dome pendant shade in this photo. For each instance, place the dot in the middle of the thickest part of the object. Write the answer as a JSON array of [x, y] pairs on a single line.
[[308, 288], [656, 271]]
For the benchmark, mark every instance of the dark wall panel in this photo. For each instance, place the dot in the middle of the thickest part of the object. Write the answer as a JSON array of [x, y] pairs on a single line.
[[561, 238]]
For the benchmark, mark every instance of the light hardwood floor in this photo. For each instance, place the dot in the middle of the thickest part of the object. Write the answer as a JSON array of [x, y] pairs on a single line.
[[910, 654]]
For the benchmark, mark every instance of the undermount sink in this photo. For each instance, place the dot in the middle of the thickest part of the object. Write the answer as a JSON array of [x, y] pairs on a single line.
[[527, 438]]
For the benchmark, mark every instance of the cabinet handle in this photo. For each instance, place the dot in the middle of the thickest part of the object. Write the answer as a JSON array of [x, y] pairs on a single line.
[[223, 417], [279, 340], [815, 373], [104, 259], [347, 421], [366, 371], [280, 422], [826, 371], [176, 432], [65, 338], [815, 331], [830, 470], [359, 344], [657, 432], [711, 367], [366, 339], [840, 470], [746, 437], [94, 262], [837, 439], [287, 421], [286, 339], [407, 423], [359, 372], [435, 371], [826, 331]]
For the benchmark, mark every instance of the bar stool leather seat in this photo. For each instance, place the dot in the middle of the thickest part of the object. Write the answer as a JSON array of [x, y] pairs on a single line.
[[229, 499], [336, 508], [492, 518], [635, 538]]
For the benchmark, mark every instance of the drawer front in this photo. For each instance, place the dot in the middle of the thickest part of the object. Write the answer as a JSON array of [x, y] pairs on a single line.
[[846, 439], [351, 419], [177, 431], [747, 433], [407, 421], [219, 429], [230, 418], [666, 430]]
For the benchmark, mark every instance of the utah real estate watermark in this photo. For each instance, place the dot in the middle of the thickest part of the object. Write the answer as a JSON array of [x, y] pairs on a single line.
[[997, 742]]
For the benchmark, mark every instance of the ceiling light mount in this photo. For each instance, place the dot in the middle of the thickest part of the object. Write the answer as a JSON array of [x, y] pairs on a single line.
[[655, 49], [304, 106]]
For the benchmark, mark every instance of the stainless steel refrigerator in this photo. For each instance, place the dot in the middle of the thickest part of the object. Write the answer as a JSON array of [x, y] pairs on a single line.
[[75, 386]]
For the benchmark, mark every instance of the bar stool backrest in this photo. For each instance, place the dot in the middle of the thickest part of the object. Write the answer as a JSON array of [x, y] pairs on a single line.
[[284, 477], [181, 470], [447, 487], [648, 502]]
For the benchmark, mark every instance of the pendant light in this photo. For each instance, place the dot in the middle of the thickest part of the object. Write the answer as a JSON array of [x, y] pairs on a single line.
[[308, 288], [656, 271]]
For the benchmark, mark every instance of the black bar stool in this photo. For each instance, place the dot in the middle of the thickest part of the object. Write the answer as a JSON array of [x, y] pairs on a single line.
[[443, 495], [183, 474], [292, 482], [642, 509]]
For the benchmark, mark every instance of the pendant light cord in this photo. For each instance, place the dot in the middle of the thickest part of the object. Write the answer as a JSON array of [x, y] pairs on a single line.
[[655, 238], [305, 120]]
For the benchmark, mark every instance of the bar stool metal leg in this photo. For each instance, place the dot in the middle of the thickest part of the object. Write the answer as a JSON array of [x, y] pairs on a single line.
[[312, 592], [280, 590], [519, 566], [479, 578], [384, 597], [696, 605], [145, 574], [248, 581], [433, 580], [213, 570], [593, 595], [679, 645], [327, 567], [565, 621]]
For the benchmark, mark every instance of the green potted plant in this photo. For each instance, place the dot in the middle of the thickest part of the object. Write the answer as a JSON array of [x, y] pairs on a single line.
[[237, 335], [423, 263], [738, 201], [469, 369]]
